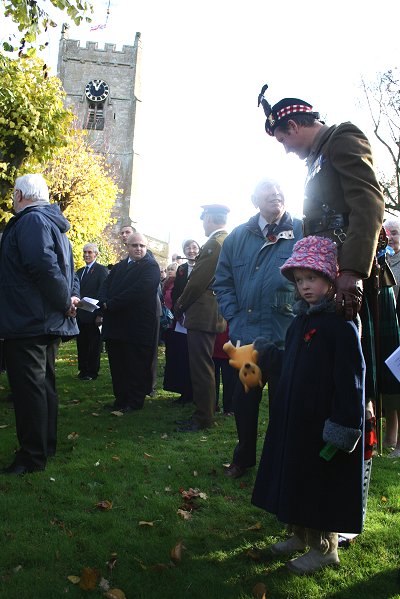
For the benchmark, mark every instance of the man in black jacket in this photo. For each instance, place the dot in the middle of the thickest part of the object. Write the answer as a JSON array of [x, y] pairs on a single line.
[[38, 295], [88, 342], [128, 299]]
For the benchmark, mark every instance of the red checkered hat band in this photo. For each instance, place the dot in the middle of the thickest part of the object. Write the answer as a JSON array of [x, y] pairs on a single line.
[[294, 109]]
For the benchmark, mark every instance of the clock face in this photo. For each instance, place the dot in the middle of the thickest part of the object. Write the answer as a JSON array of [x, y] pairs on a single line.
[[97, 90]]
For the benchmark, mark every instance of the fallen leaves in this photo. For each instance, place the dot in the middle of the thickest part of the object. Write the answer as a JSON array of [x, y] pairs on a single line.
[[176, 552], [147, 456], [192, 493], [256, 526], [260, 591], [145, 523], [115, 594], [61, 526], [104, 505], [88, 579], [72, 436], [112, 562], [185, 515], [189, 501], [175, 559]]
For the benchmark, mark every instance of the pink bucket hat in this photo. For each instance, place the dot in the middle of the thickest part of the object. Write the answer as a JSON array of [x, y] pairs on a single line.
[[315, 253]]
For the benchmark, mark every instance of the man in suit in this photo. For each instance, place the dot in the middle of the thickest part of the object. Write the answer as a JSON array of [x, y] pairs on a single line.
[[128, 298], [38, 298], [88, 342], [199, 307]]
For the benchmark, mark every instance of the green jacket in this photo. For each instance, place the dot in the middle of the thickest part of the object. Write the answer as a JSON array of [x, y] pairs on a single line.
[[198, 300], [341, 180]]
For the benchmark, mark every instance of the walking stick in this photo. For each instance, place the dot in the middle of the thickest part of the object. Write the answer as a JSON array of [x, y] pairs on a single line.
[[377, 275]]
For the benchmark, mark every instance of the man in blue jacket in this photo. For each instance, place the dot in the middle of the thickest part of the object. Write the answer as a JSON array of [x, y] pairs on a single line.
[[38, 298], [256, 299]]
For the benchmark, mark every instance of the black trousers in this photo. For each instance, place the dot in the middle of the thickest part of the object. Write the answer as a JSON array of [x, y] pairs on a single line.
[[88, 344], [246, 408], [131, 375], [229, 376], [31, 373]]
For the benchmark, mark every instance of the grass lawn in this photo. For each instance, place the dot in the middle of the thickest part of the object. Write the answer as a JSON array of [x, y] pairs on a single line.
[[108, 503]]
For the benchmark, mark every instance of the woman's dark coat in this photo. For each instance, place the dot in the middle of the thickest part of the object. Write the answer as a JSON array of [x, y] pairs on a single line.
[[322, 377]]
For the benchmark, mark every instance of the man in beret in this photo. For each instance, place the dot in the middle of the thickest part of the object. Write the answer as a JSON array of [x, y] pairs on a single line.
[[198, 309], [343, 199]]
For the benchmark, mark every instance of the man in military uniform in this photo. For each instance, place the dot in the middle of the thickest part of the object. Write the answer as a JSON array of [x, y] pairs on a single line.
[[198, 308], [343, 199]]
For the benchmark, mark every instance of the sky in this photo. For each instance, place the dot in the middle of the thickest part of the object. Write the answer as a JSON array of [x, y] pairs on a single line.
[[203, 64]]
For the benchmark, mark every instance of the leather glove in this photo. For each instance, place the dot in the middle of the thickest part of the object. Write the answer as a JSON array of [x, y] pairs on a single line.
[[349, 292]]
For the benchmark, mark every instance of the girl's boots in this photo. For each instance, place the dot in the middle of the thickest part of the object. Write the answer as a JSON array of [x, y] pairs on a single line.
[[323, 552]]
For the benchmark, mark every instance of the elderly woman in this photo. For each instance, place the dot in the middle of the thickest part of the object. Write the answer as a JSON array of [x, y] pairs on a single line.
[[391, 398], [168, 284], [177, 374], [392, 227]]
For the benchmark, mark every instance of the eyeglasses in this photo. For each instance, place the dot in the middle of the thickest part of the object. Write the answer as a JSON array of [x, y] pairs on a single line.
[[137, 245]]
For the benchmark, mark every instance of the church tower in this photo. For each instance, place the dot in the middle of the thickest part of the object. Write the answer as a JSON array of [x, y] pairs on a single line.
[[103, 90]]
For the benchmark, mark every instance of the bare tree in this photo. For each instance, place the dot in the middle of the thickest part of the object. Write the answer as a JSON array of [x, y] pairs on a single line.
[[383, 100]]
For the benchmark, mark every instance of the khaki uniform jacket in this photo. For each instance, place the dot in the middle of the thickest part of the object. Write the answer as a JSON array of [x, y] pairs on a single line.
[[341, 180], [198, 300]]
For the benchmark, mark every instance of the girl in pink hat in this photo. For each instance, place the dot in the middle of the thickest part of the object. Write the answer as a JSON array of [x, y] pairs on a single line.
[[311, 469]]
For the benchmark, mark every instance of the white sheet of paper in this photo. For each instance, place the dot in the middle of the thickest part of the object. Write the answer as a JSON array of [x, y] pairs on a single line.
[[393, 363], [89, 304], [179, 328]]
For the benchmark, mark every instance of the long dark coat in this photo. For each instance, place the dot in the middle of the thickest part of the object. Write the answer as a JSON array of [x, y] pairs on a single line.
[[130, 292], [321, 378]]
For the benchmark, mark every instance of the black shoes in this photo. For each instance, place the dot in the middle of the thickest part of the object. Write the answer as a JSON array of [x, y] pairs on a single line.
[[86, 377], [110, 407], [235, 471], [182, 400], [191, 427], [19, 469]]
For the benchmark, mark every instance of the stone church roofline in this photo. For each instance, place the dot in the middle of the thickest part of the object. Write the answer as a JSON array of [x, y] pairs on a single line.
[[75, 45]]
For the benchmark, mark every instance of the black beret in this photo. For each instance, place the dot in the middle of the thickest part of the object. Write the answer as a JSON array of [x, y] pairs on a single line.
[[283, 110]]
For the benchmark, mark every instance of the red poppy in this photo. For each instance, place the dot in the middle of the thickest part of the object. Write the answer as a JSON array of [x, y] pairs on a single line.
[[271, 238], [309, 335]]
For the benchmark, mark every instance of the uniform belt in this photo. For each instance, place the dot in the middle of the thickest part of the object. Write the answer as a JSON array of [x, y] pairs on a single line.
[[326, 222]]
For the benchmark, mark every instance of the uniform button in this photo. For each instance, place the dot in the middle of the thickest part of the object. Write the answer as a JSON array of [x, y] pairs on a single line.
[[257, 267], [249, 310]]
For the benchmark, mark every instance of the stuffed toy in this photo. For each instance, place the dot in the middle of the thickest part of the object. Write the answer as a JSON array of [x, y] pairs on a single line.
[[244, 359]]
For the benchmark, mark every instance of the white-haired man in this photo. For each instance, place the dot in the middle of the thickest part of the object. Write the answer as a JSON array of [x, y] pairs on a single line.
[[256, 299], [38, 295], [88, 342]]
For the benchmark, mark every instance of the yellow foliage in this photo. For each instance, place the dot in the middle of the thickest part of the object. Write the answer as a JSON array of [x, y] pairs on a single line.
[[79, 182], [34, 121]]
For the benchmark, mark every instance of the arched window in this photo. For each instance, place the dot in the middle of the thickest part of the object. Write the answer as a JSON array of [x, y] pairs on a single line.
[[95, 116]]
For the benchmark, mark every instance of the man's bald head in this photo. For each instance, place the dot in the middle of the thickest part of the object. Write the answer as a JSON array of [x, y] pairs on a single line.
[[137, 246]]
